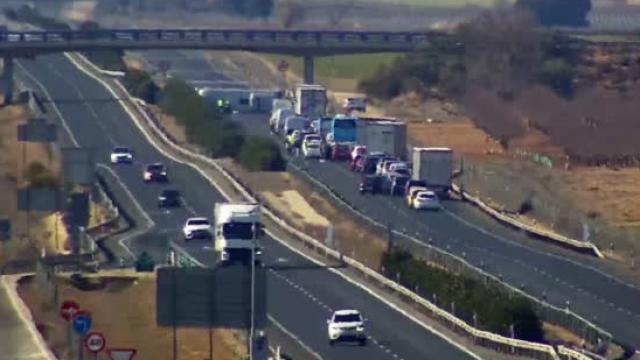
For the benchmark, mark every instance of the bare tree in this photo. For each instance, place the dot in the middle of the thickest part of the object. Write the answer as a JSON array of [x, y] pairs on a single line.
[[502, 49]]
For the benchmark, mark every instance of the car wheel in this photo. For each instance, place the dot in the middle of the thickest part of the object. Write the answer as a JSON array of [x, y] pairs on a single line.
[[363, 342], [332, 342]]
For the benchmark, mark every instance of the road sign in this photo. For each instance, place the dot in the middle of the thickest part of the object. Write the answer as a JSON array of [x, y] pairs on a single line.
[[283, 66], [95, 342], [68, 309], [82, 322], [121, 354]]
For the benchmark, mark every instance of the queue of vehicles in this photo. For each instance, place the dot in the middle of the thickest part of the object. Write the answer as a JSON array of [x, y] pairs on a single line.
[[374, 147], [237, 225]]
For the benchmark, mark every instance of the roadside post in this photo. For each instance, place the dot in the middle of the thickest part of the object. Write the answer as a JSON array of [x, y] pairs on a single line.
[[69, 309], [81, 325]]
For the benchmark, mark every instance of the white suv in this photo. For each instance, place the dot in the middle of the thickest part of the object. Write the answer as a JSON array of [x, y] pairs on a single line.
[[121, 154], [346, 325], [198, 227]]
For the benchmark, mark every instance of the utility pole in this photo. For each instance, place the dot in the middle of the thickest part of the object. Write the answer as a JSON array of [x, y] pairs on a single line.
[[253, 285]]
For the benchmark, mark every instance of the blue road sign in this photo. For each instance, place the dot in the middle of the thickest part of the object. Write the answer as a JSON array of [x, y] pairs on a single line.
[[82, 322]]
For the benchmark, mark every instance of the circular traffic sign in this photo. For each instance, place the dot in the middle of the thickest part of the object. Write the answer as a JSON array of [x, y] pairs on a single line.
[[95, 342], [81, 322], [69, 309], [283, 66]]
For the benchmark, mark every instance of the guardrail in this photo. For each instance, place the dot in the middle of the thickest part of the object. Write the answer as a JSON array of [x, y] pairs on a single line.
[[521, 347], [562, 240]]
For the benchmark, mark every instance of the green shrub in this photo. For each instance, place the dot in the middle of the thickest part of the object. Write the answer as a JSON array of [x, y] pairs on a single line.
[[140, 85], [261, 154], [145, 263], [467, 295], [28, 14]]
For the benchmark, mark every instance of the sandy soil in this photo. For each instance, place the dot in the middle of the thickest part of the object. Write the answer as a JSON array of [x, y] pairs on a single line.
[[125, 313], [296, 207]]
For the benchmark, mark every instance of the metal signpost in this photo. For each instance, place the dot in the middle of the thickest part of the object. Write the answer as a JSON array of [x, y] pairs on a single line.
[[95, 343], [81, 325], [68, 310]]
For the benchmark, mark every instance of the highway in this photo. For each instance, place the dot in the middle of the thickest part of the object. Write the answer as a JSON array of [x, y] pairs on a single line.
[[521, 261], [301, 295], [561, 276]]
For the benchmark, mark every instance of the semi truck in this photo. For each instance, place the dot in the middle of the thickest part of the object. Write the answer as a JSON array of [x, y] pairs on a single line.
[[341, 137], [236, 231], [311, 100], [434, 166], [388, 136]]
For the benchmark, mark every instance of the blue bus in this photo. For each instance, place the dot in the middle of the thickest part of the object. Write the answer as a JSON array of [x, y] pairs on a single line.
[[344, 128]]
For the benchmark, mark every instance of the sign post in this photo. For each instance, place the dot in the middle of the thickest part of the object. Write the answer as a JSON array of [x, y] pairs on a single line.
[[69, 309], [81, 325], [95, 343]]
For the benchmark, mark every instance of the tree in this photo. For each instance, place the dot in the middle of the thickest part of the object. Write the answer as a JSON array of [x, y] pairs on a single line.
[[502, 49], [261, 154], [558, 12], [558, 75]]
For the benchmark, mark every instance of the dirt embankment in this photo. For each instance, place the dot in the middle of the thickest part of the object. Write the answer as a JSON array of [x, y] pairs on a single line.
[[124, 311]]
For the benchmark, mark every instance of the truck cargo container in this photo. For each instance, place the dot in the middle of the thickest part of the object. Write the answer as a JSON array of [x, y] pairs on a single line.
[[276, 123], [311, 101], [386, 136], [434, 166], [237, 228]]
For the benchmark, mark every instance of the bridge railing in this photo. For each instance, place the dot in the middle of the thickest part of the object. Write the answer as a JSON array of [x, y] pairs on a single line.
[[220, 36]]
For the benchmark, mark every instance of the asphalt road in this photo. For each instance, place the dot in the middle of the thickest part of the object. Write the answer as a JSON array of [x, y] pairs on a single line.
[[521, 261], [301, 295], [543, 270]]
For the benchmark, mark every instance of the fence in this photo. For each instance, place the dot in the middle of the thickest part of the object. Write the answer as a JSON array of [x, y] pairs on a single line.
[[480, 337]]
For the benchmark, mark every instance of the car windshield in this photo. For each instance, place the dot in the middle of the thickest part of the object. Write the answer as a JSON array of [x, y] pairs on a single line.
[[199, 222], [121, 150], [426, 196], [344, 123], [155, 167], [237, 230], [313, 145], [347, 318], [312, 138]]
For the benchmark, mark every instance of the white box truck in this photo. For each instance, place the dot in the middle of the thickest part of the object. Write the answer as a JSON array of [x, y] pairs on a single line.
[[383, 135], [237, 230], [434, 166], [311, 101]]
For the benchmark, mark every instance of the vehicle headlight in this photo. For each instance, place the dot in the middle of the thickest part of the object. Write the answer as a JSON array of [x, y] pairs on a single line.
[[360, 328], [162, 198], [147, 175], [164, 173]]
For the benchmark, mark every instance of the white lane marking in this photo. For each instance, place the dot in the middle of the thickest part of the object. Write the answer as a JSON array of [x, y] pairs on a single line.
[[25, 317], [223, 193], [295, 338]]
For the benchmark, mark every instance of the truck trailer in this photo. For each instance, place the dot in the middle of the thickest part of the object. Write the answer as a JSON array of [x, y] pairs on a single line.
[[383, 135], [311, 101], [237, 229], [434, 166]]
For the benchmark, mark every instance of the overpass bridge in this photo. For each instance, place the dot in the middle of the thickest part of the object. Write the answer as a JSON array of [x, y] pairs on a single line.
[[305, 43]]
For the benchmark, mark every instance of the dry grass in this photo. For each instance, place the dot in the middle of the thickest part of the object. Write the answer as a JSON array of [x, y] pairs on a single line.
[[125, 313]]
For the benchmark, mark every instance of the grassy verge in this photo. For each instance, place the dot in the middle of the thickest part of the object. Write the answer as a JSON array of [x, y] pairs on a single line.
[[30, 15]]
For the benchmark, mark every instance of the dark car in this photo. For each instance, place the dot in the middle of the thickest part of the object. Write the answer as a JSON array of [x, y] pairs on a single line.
[[397, 183], [371, 184], [169, 198], [155, 172], [369, 164]]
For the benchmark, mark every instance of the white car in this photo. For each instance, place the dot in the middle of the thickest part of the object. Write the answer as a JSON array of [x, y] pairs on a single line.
[[197, 227], [346, 325], [120, 155], [358, 150], [426, 200], [311, 149]]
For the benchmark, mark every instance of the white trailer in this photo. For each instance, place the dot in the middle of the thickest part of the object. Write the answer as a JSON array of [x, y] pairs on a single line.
[[237, 229], [434, 166], [311, 101], [383, 135]]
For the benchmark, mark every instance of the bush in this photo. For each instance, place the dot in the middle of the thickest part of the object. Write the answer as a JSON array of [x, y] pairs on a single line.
[[107, 59], [37, 175], [468, 295], [261, 154], [558, 75], [140, 85], [145, 263], [28, 14], [558, 12]]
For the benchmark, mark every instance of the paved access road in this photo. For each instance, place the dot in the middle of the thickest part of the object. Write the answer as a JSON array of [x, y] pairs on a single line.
[[301, 295], [542, 268]]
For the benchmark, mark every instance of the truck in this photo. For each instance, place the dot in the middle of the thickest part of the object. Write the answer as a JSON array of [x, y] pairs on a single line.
[[434, 166], [237, 227], [341, 138], [295, 122], [311, 100], [388, 136], [276, 122]]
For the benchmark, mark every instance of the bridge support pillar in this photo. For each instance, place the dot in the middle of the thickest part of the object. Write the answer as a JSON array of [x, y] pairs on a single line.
[[309, 70], [6, 79]]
